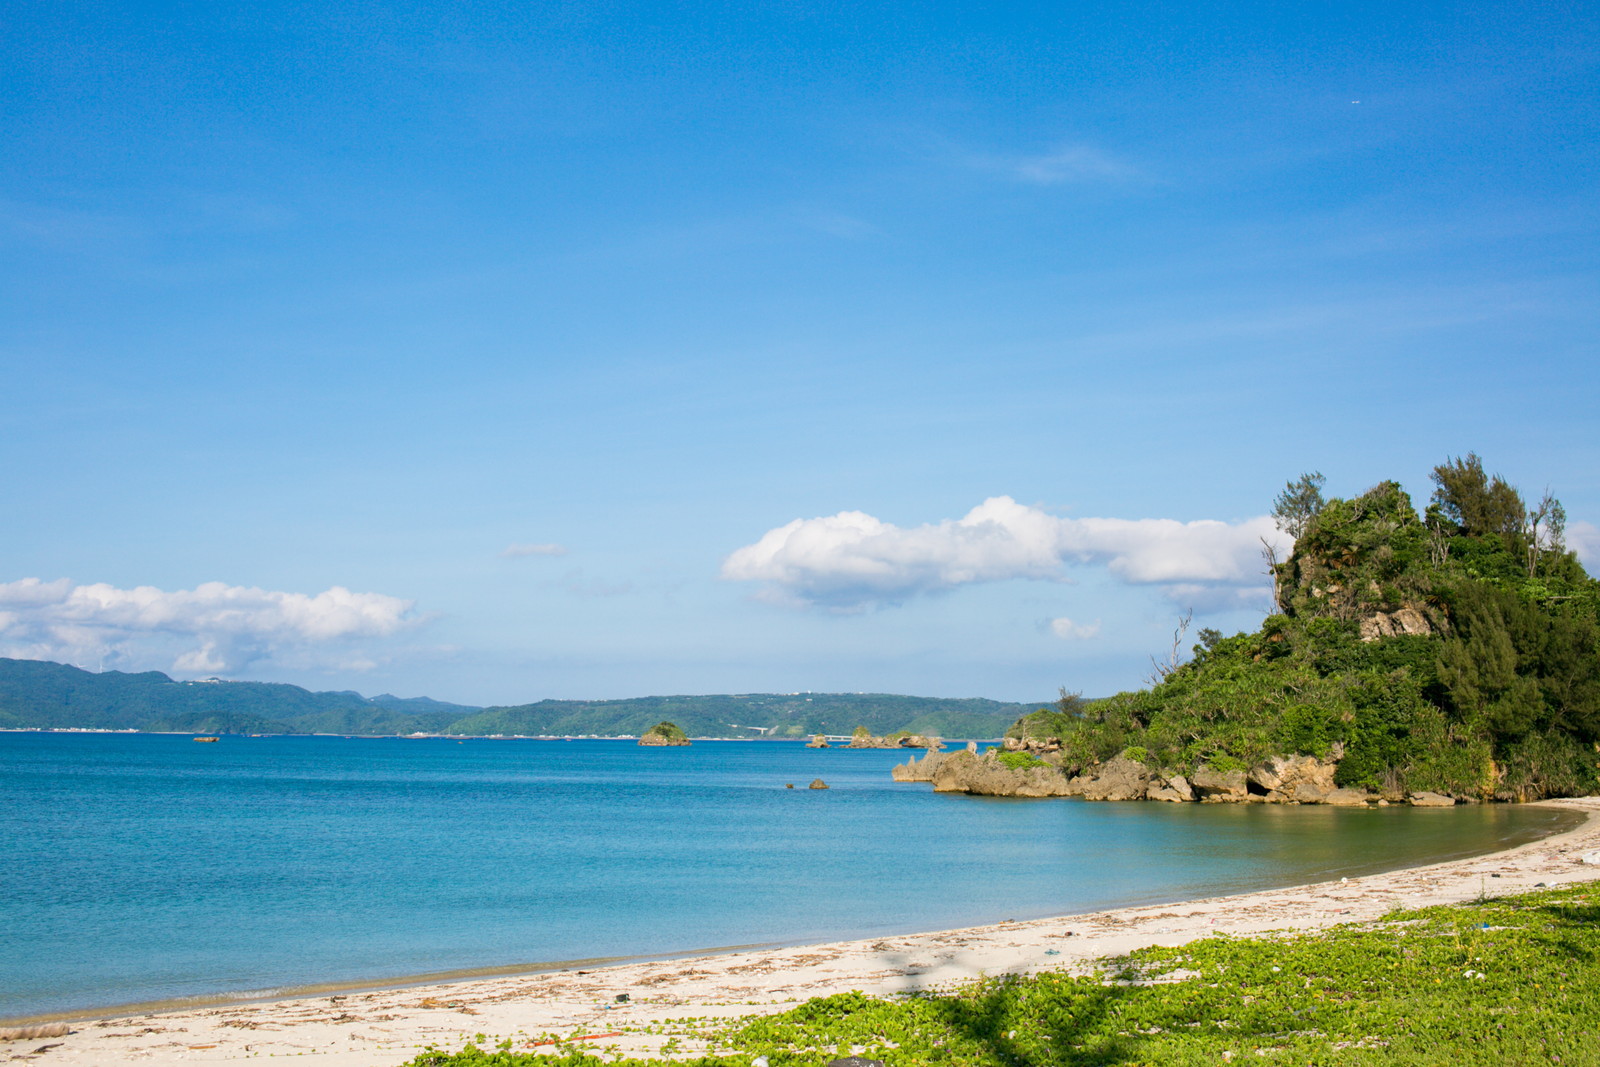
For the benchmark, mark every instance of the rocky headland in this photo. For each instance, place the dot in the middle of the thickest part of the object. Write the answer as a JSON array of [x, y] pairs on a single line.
[[1022, 769], [1434, 659]]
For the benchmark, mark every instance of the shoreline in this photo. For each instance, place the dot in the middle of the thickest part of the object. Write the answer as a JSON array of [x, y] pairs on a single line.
[[386, 1026], [1027, 911]]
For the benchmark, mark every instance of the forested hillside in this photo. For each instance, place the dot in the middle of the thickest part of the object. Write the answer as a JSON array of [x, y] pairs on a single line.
[[751, 715], [35, 694], [41, 695], [1455, 651]]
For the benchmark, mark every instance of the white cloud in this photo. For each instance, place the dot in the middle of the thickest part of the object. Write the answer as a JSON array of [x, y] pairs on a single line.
[[852, 560], [1074, 163], [1584, 539], [1068, 630], [521, 551], [211, 628]]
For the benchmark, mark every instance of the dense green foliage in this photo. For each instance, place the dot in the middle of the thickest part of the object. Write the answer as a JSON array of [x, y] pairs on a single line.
[[37, 695], [669, 732], [1482, 985], [1457, 653]]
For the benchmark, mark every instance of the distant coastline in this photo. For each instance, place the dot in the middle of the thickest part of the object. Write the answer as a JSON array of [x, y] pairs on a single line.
[[36, 694]]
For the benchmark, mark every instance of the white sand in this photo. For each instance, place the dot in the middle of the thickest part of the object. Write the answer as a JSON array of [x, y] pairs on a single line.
[[389, 1027]]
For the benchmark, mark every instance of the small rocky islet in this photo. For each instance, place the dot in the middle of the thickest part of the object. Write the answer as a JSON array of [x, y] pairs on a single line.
[[664, 733]]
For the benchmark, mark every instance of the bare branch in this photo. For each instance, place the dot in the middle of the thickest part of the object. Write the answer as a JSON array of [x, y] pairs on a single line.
[[1174, 655]]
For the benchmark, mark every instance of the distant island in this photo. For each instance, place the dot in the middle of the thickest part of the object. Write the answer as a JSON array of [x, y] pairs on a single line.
[[664, 733], [39, 695], [1451, 657]]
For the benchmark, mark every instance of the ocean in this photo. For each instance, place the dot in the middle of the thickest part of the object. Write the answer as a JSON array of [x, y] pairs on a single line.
[[148, 868]]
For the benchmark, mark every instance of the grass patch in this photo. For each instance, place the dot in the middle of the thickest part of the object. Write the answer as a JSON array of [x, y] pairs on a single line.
[[1020, 761], [1504, 981]]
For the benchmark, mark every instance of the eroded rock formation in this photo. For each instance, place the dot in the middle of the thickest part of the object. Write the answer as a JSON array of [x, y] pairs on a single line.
[[1295, 779], [895, 741]]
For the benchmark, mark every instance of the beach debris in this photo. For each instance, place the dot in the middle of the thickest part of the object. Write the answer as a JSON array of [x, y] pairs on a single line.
[[24, 1033], [623, 998], [759, 1061], [575, 1037], [1590, 858], [817, 783]]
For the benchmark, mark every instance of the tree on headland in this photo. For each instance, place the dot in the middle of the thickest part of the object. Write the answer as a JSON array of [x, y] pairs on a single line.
[[1474, 502], [1301, 500], [1546, 531]]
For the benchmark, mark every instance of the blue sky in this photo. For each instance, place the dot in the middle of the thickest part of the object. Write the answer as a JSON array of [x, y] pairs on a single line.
[[477, 350]]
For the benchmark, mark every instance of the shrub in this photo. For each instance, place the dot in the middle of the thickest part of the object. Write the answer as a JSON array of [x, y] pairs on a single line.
[[1020, 761]]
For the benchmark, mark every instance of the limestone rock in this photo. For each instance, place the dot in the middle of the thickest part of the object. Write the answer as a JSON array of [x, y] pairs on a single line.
[[919, 770], [895, 741], [1430, 800], [817, 783], [1219, 787], [1175, 789], [1407, 620], [1039, 746], [1119, 778], [817, 741], [1346, 798], [964, 772], [1294, 779]]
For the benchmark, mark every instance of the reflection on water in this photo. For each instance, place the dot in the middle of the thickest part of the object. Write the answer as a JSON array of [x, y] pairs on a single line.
[[145, 867]]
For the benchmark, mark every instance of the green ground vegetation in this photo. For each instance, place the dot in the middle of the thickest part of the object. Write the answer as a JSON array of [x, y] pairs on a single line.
[[1495, 692], [1500, 981]]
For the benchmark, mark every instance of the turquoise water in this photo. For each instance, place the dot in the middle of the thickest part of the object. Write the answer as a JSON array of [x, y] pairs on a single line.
[[147, 867]]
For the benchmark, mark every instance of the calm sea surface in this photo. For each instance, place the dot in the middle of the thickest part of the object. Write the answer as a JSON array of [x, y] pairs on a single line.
[[140, 867]]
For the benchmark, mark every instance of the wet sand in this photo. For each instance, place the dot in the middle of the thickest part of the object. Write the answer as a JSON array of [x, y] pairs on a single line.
[[388, 1027]]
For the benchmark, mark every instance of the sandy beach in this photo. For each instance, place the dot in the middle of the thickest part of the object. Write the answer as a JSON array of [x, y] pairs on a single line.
[[388, 1027]]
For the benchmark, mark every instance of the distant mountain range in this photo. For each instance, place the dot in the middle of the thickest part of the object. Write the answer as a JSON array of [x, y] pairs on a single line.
[[38, 695]]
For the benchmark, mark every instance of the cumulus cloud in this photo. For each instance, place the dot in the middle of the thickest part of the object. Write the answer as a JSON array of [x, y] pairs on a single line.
[[1068, 630], [852, 560], [211, 628], [1584, 539], [521, 551]]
